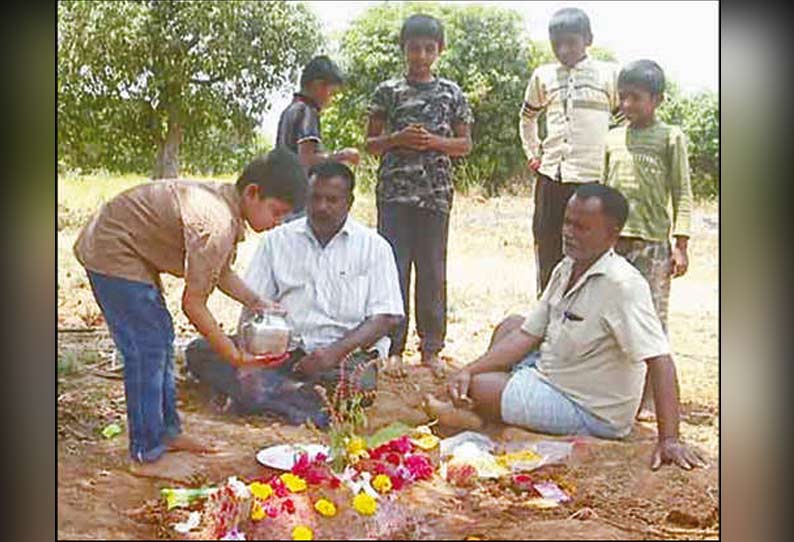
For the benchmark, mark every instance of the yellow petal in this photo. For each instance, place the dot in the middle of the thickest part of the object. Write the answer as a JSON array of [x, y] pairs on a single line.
[[302, 532]]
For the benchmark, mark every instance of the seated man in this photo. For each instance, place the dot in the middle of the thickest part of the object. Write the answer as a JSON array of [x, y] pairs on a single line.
[[596, 330], [338, 282]]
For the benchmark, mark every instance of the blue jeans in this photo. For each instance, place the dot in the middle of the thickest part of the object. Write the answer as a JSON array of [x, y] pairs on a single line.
[[143, 332]]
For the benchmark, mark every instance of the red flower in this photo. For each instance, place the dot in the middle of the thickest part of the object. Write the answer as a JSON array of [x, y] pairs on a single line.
[[379, 452], [397, 482], [271, 510], [320, 458], [419, 466], [288, 506], [402, 445], [278, 487], [393, 458], [380, 468], [334, 482]]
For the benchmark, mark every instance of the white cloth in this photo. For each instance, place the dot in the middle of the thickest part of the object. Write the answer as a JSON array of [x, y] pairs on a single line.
[[327, 291]]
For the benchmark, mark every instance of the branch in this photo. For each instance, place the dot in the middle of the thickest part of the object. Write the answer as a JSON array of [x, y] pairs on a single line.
[[209, 81]]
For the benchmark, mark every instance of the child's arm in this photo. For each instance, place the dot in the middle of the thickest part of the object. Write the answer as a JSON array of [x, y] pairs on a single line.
[[460, 145], [309, 155], [194, 305], [410, 137], [681, 191], [232, 285], [534, 100]]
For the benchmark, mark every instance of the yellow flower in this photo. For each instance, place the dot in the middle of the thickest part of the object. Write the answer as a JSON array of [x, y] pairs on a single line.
[[295, 484], [261, 491], [257, 512], [302, 532], [382, 483], [426, 442], [364, 504], [325, 507], [356, 449]]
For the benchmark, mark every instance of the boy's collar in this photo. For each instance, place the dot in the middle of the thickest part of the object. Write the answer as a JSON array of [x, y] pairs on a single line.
[[413, 82], [581, 61], [300, 96]]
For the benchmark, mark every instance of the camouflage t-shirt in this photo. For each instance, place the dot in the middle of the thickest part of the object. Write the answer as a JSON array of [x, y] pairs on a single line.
[[418, 178]]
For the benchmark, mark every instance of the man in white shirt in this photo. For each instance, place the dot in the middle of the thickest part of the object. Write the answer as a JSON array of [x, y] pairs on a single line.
[[338, 282]]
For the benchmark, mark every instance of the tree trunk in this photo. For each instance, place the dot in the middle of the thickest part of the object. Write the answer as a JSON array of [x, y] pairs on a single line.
[[167, 164]]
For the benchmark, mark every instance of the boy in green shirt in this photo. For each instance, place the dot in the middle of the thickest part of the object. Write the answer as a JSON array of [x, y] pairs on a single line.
[[647, 161]]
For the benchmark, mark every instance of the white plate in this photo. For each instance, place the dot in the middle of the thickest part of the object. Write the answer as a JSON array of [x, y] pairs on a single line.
[[283, 456]]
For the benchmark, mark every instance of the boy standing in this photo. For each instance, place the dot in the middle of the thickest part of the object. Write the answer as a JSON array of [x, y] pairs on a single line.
[[299, 124], [578, 95], [416, 123], [188, 229], [647, 161]]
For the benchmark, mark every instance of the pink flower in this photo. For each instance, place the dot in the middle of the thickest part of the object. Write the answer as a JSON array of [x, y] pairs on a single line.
[[419, 466], [278, 487], [397, 482], [288, 506]]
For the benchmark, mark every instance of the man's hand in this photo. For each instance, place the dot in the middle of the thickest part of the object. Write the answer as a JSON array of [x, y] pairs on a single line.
[[458, 388], [413, 137], [260, 304], [680, 261], [348, 155], [672, 450], [321, 360], [534, 164]]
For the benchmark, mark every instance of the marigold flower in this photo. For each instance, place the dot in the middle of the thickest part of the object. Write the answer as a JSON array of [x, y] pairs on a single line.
[[325, 507], [382, 483], [257, 512], [364, 504], [302, 532], [261, 491], [295, 484]]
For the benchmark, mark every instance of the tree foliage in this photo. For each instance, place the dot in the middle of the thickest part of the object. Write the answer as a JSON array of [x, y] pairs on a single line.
[[699, 118], [141, 83]]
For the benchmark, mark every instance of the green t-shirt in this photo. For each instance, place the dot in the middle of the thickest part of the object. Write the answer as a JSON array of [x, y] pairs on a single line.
[[649, 166]]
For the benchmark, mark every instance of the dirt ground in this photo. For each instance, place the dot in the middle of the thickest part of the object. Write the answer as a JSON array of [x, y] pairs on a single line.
[[491, 274]]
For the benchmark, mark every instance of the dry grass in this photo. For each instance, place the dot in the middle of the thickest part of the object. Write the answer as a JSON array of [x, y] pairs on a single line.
[[490, 272]]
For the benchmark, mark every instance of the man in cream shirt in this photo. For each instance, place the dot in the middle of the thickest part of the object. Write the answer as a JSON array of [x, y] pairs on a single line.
[[576, 364]]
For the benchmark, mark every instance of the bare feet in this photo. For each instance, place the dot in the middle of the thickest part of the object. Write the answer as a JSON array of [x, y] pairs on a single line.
[[395, 367], [168, 467], [188, 444], [646, 414], [647, 411], [450, 416], [436, 366]]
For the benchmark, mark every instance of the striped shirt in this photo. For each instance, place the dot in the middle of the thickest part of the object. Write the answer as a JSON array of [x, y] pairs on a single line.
[[327, 291], [650, 167], [578, 103]]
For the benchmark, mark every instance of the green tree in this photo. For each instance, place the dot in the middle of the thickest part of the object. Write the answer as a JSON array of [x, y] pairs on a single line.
[[137, 79], [699, 117], [488, 54]]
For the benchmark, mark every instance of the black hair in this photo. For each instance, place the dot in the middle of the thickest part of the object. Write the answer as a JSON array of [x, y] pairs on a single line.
[[329, 168], [571, 20], [645, 74], [422, 26], [613, 203], [278, 174], [321, 68]]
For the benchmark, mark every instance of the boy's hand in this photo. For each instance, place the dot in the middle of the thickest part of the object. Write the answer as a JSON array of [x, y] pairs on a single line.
[[412, 137], [458, 388], [534, 164], [348, 155], [680, 261]]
